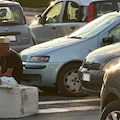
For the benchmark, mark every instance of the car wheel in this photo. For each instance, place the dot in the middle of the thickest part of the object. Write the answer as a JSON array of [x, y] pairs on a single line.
[[49, 89], [68, 81], [111, 111]]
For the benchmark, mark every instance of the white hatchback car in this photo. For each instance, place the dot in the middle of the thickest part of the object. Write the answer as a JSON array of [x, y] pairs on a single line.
[[13, 25], [65, 16]]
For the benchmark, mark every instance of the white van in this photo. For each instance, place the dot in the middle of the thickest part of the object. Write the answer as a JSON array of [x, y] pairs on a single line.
[[65, 16]]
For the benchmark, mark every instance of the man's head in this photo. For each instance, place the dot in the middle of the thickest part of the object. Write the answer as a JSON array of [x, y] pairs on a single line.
[[4, 45]]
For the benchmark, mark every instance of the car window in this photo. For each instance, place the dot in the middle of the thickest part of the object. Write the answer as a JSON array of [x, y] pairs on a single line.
[[94, 27], [11, 15], [115, 33], [104, 7], [75, 13], [83, 14], [71, 12], [119, 5], [53, 15]]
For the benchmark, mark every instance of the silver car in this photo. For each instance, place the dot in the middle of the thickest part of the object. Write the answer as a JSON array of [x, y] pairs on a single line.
[[53, 65], [63, 17], [13, 25]]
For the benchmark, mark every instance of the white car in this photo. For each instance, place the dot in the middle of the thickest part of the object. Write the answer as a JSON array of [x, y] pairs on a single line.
[[63, 17], [13, 25]]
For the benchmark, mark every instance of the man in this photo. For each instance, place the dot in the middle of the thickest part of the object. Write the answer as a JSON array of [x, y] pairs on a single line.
[[10, 62]]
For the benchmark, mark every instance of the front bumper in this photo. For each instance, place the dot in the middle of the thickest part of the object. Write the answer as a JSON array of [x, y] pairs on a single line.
[[91, 80], [40, 74]]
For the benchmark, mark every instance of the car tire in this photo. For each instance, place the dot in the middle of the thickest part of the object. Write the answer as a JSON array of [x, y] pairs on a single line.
[[68, 81], [49, 89], [111, 110]]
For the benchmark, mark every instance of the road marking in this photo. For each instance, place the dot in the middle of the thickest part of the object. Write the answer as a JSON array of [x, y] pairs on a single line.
[[68, 101], [68, 109]]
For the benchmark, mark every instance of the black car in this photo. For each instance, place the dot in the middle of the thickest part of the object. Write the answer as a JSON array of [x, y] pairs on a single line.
[[110, 95], [95, 65]]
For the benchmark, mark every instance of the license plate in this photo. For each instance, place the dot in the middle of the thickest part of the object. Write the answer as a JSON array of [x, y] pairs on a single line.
[[86, 77], [12, 37]]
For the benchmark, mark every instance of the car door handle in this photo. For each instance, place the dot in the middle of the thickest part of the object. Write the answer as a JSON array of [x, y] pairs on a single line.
[[53, 28], [72, 27]]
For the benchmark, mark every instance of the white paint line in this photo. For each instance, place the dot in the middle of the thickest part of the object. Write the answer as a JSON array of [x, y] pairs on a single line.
[[68, 101], [68, 109]]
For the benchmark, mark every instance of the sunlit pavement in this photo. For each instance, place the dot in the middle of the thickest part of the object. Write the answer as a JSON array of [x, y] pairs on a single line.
[[69, 105]]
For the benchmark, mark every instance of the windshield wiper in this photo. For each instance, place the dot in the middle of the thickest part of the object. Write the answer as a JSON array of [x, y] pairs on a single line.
[[75, 37]]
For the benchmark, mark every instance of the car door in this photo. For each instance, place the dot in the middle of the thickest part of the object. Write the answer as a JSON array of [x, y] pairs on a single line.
[[115, 34], [47, 30], [112, 32], [74, 17]]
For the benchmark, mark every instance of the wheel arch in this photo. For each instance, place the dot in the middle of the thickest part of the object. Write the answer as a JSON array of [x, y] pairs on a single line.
[[109, 98], [112, 95], [65, 65]]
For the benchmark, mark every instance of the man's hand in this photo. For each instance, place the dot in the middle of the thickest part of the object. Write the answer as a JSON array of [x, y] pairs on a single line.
[[0, 71]]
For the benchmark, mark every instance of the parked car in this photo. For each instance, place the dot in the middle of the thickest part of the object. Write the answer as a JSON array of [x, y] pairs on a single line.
[[63, 17], [54, 64], [110, 95], [98, 62], [13, 25]]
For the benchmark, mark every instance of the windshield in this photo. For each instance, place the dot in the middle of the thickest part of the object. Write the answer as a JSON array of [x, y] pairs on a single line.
[[11, 15], [94, 27]]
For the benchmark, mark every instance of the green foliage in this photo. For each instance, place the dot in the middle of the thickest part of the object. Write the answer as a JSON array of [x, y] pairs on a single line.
[[34, 3]]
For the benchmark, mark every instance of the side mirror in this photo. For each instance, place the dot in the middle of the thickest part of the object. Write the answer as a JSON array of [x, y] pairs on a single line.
[[108, 40], [39, 19]]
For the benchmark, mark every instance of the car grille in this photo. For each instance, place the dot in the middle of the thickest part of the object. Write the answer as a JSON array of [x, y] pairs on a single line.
[[32, 78]]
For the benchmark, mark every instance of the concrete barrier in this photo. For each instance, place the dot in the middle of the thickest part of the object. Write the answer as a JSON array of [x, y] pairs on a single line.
[[18, 101]]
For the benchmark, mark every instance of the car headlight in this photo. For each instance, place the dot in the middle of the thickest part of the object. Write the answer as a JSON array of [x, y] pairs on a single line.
[[39, 59], [111, 64]]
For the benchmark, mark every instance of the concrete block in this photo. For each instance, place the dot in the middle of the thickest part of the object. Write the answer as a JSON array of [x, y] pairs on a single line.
[[18, 101]]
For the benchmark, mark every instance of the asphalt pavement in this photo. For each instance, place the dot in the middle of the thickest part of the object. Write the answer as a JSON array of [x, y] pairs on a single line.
[[32, 11]]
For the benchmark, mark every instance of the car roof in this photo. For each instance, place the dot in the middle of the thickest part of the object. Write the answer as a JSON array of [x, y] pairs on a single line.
[[80, 2], [85, 2], [103, 0], [8, 2]]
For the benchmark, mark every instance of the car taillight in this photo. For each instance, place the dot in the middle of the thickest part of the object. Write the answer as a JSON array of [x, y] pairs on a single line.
[[90, 13], [24, 19], [3, 5]]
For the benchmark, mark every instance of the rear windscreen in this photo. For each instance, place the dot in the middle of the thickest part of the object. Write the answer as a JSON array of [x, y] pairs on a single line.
[[11, 15], [104, 7]]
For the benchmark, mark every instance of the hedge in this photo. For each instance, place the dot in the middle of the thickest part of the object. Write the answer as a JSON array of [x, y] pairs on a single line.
[[34, 3]]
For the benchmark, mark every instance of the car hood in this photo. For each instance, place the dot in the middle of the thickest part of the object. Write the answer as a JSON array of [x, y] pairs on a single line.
[[49, 46], [104, 54]]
